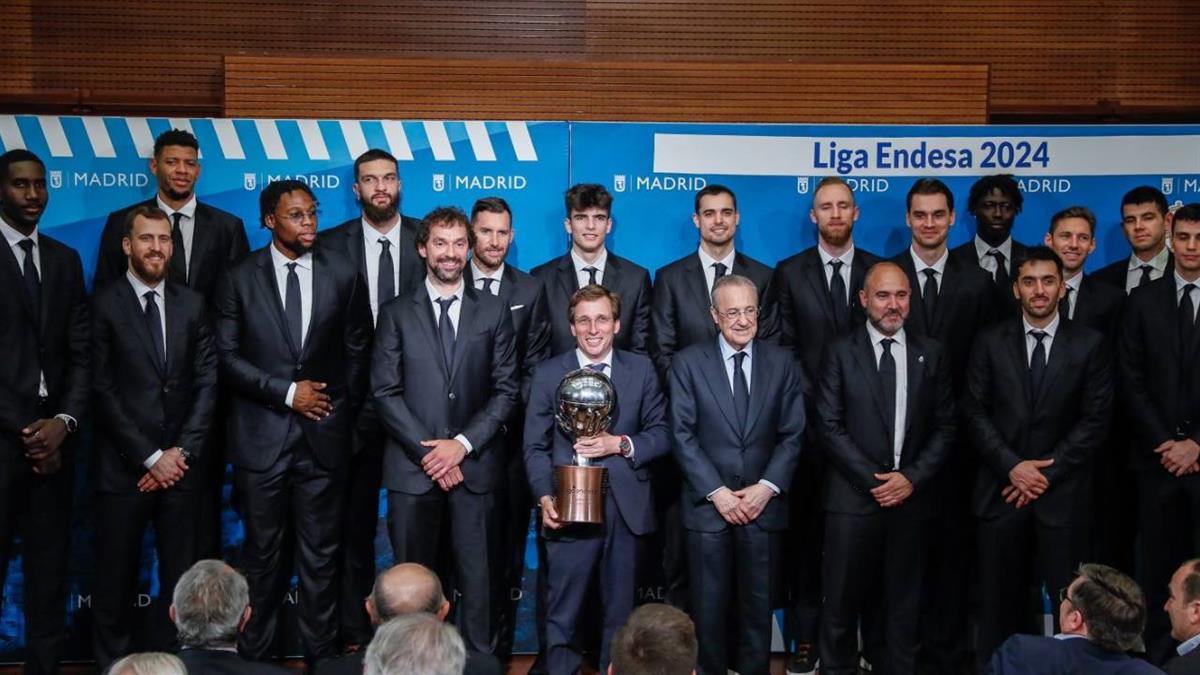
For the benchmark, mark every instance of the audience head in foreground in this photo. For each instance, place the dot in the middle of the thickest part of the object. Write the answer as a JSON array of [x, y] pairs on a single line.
[[415, 644], [656, 640], [148, 663], [210, 606]]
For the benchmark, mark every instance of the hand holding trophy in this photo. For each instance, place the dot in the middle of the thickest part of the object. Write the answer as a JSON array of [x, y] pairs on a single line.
[[585, 402]]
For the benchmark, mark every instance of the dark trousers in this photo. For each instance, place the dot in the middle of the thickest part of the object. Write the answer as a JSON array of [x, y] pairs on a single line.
[[675, 569], [946, 645], [39, 508], [210, 499], [415, 526], [518, 505], [359, 526], [575, 557], [296, 505], [121, 521], [1170, 523], [730, 565], [1016, 551], [871, 571], [802, 563]]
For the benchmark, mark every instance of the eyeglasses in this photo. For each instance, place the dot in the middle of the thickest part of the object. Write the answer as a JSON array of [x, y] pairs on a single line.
[[735, 314], [587, 321], [1064, 593], [297, 217]]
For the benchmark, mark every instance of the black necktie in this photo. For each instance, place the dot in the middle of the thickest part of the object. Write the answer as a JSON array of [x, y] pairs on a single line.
[[1064, 305], [591, 274], [1145, 278], [292, 308], [887, 377], [154, 323], [446, 330], [719, 270], [1001, 275], [178, 253], [741, 390], [487, 284], [387, 274], [837, 296], [598, 367], [1187, 318], [1037, 362], [929, 297], [33, 282]]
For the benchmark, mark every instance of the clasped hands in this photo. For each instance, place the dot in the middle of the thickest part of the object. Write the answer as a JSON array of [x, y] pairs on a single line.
[[1027, 482], [442, 462], [167, 471], [742, 507], [1179, 457], [42, 440]]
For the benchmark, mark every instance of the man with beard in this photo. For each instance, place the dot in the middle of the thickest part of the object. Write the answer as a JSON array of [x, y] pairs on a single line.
[[154, 385], [1039, 393], [45, 317], [205, 242], [488, 272], [886, 412], [444, 377], [293, 331], [1145, 219], [952, 305], [381, 244], [818, 302], [995, 201]]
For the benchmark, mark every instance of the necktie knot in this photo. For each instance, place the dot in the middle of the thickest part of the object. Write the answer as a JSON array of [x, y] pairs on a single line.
[[175, 218], [930, 274], [445, 303], [598, 367], [1038, 335], [487, 284], [887, 343], [836, 265], [149, 295], [591, 271], [385, 243], [738, 359], [27, 245], [291, 267], [720, 269]]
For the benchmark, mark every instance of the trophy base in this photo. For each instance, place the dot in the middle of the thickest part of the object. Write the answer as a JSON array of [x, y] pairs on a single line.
[[580, 493]]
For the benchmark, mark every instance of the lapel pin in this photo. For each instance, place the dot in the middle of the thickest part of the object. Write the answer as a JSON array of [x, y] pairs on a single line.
[[921, 359]]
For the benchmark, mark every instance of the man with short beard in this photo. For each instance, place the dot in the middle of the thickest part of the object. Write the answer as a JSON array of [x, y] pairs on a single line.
[[154, 386], [444, 377], [381, 243], [1039, 394], [1145, 220], [994, 202]]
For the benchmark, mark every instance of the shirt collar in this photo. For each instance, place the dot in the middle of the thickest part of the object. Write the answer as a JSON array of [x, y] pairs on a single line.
[[1070, 636], [727, 350], [280, 260], [580, 264], [140, 287], [584, 360], [1188, 645], [826, 258], [1158, 262], [1075, 281], [372, 235], [1005, 247], [939, 266], [434, 295], [188, 210], [478, 274], [707, 261], [877, 337], [12, 236], [1180, 282], [1050, 329]]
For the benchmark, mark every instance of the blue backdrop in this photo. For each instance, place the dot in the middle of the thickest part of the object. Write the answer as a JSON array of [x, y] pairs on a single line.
[[97, 165]]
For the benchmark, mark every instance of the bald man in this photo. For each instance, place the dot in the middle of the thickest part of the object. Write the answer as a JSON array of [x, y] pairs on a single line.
[[402, 590]]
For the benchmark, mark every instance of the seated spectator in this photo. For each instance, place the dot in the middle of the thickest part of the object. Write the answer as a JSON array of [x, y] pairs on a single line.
[[1102, 614], [415, 644], [656, 640], [148, 663], [210, 608], [1183, 608]]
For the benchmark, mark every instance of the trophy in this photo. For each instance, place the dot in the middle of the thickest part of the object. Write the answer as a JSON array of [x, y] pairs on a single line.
[[585, 400]]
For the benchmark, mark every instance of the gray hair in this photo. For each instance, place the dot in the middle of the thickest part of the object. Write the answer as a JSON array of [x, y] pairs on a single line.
[[148, 663], [210, 599], [731, 280], [415, 644]]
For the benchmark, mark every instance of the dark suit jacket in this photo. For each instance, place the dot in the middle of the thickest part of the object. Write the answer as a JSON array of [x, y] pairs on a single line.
[[679, 313], [218, 662], [1154, 380], [712, 450], [348, 238], [60, 347], [525, 297], [640, 413], [1005, 304], [352, 664], [1040, 655], [1007, 422], [805, 314], [1117, 273], [218, 241], [854, 423], [1098, 306], [140, 407], [259, 363], [1188, 664], [417, 400], [621, 276]]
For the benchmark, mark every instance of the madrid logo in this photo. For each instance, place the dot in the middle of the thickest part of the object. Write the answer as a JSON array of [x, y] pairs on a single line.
[[619, 182], [1168, 185], [802, 184], [439, 182], [249, 181], [56, 178]]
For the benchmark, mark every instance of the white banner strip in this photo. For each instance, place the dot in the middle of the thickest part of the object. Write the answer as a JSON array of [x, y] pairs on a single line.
[[356, 141], [143, 140], [56, 137], [439, 142], [268, 133], [397, 140], [231, 145], [97, 134], [522, 143], [481, 142]]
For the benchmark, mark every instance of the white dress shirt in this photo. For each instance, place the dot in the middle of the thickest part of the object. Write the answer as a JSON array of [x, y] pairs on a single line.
[[988, 262], [727, 354], [478, 275], [1180, 282], [938, 267], [847, 259], [900, 356], [304, 271], [371, 250], [452, 314], [581, 275], [1158, 267], [1031, 342], [1188, 645], [187, 227], [710, 272], [140, 288], [1073, 295]]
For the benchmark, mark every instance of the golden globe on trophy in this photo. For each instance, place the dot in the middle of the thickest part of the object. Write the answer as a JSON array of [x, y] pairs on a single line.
[[585, 403]]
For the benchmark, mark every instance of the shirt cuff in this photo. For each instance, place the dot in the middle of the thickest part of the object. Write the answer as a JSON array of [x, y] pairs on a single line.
[[67, 420], [466, 444], [774, 488], [709, 496], [152, 459], [287, 400]]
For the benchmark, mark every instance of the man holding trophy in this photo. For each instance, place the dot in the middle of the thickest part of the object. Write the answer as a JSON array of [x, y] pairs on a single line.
[[596, 418]]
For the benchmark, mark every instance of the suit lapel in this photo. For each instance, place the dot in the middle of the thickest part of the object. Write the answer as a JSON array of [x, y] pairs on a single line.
[[718, 383], [425, 317], [1169, 308], [612, 273], [508, 285], [176, 329], [1019, 358], [916, 375], [323, 297], [132, 305], [466, 325], [1056, 358], [8, 261], [201, 241], [357, 248], [814, 272], [270, 287], [696, 282], [864, 355], [760, 375], [566, 276], [916, 308], [622, 379]]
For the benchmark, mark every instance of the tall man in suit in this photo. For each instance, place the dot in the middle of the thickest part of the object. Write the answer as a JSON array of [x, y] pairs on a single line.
[[1086, 299], [737, 416], [1039, 394], [681, 315], [293, 331], [588, 222], [488, 271], [45, 315], [886, 412], [206, 241], [444, 378], [995, 201], [577, 553], [1183, 610], [951, 303], [1160, 389], [1145, 219], [817, 292], [381, 244], [154, 385]]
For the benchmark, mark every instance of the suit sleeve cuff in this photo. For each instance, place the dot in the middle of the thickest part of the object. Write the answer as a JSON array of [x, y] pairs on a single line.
[[291, 394], [774, 488], [152, 459], [67, 420], [465, 443]]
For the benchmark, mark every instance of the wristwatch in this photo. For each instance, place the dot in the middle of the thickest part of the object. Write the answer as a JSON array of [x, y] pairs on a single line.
[[625, 447], [69, 422], [187, 456]]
